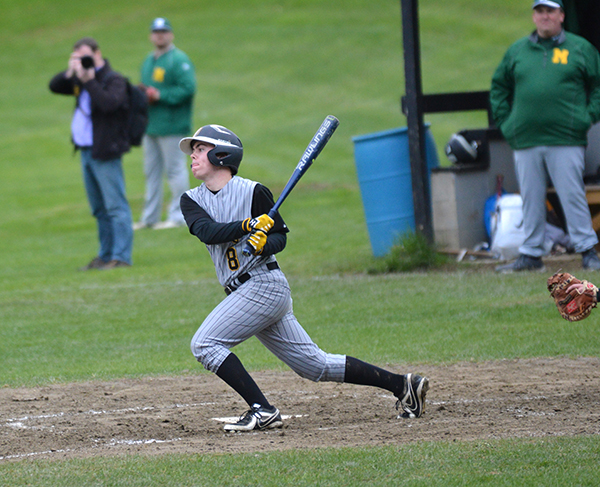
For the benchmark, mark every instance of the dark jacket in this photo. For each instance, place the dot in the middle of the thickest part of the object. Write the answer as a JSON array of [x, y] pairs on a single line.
[[108, 92]]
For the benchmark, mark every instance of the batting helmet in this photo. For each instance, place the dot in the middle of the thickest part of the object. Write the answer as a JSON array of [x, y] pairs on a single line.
[[228, 150], [458, 149]]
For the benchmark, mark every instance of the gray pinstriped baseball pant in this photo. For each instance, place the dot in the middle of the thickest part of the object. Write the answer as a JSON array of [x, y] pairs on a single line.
[[262, 307]]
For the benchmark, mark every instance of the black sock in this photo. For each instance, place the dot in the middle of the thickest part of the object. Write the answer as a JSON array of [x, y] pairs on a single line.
[[235, 375], [362, 373]]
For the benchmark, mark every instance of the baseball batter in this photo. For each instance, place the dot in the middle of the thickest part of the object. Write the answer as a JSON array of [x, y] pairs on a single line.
[[225, 212]]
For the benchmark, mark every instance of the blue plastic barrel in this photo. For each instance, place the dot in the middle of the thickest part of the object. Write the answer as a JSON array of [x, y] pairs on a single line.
[[384, 176]]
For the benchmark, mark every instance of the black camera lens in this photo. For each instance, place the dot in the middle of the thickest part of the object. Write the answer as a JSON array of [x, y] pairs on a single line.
[[87, 62]]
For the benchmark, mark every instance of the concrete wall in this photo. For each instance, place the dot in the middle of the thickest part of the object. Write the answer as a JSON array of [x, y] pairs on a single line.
[[459, 194]]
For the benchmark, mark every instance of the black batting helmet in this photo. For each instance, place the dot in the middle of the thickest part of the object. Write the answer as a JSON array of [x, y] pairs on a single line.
[[228, 150], [459, 149]]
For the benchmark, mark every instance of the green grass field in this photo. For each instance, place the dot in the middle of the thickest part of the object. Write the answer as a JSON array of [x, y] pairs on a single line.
[[270, 70]]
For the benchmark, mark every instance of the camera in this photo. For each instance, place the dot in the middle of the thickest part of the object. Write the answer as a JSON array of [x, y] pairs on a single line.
[[87, 62]]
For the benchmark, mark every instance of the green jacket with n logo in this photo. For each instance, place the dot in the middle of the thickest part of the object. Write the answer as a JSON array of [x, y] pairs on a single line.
[[174, 76], [547, 91]]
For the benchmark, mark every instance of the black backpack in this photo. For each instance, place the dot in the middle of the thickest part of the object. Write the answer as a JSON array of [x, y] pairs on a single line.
[[137, 114]]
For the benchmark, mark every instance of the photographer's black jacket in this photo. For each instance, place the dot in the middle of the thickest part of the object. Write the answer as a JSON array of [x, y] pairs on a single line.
[[108, 91]]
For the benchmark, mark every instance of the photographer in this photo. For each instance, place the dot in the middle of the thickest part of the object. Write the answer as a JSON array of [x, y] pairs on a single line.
[[98, 131]]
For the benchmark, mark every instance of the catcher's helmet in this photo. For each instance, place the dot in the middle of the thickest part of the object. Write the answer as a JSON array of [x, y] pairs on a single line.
[[228, 150], [458, 149]]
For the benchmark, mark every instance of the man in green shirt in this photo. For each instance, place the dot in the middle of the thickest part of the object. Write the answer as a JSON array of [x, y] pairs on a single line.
[[545, 95], [170, 81]]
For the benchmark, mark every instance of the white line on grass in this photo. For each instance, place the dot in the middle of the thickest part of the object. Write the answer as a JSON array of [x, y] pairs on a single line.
[[196, 282]]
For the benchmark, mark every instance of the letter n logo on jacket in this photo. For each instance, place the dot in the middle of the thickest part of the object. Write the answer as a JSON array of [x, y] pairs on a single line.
[[159, 74], [560, 56]]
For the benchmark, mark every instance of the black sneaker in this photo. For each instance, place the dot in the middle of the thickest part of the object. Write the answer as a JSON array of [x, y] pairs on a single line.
[[523, 263], [113, 264], [95, 263], [257, 418], [413, 397], [590, 260]]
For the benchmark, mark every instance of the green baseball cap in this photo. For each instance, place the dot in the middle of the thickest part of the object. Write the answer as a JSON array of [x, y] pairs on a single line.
[[161, 23]]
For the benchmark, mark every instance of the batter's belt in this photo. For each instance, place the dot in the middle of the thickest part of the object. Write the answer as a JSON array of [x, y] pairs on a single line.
[[241, 279]]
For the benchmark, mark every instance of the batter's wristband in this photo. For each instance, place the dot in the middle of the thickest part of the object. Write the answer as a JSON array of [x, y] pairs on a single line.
[[246, 225]]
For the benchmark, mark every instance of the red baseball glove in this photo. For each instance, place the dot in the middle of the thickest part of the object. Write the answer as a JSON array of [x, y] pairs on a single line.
[[573, 298]]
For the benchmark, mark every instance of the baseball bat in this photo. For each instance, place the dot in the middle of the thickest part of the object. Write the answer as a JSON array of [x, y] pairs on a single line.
[[313, 149]]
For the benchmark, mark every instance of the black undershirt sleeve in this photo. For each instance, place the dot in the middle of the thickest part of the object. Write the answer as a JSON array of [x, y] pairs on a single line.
[[210, 232], [204, 227]]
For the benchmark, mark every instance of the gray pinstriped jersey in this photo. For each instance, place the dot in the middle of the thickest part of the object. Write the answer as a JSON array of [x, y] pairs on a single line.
[[232, 203]]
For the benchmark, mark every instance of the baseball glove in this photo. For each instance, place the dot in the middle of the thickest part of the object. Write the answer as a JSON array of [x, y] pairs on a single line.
[[573, 298]]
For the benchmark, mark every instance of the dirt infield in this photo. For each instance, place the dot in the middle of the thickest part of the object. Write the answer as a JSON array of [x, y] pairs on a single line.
[[501, 399]]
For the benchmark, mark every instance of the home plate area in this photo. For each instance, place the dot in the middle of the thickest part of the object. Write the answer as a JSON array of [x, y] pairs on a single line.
[[233, 419], [185, 414]]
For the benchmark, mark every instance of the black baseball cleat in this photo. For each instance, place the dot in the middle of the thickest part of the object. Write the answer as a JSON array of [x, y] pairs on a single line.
[[590, 260], [523, 263], [412, 401], [257, 418]]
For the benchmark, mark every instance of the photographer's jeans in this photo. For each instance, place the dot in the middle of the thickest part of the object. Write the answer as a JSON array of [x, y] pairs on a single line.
[[105, 186]]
